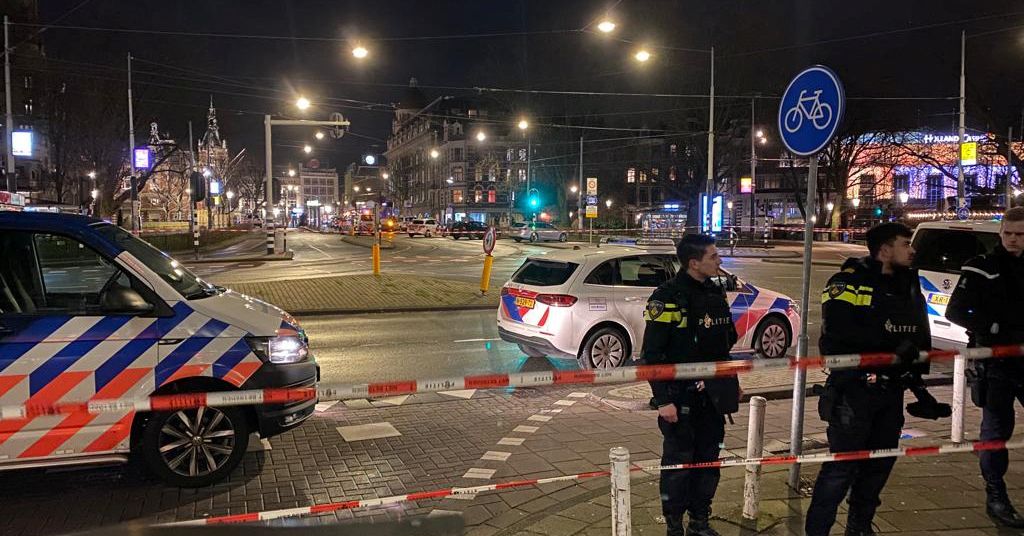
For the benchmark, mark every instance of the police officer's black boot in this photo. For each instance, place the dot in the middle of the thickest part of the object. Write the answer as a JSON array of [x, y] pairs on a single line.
[[700, 524], [674, 525], [856, 525], [998, 507]]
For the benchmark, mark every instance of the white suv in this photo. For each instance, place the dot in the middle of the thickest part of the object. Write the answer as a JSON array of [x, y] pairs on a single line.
[[588, 305], [942, 248], [426, 227]]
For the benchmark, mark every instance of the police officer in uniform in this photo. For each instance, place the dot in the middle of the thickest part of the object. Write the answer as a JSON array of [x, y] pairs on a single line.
[[987, 302], [874, 304], [688, 320]]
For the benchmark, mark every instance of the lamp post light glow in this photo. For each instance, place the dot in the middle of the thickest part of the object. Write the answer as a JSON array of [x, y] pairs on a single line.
[[291, 172], [830, 205], [642, 56], [573, 188], [96, 193], [904, 197], [384, 175], [856, 202], [606, 26], [360, 52], [302, 103], [307, 149], [92, 175], [608, 203], [480, 136], [434, 154], [356, 189], [319, 135], [524, 124]]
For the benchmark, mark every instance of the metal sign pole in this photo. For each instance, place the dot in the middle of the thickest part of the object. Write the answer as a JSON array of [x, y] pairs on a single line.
[[796, 437]]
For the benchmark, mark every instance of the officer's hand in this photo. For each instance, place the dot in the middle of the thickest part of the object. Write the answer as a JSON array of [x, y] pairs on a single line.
[[700, 385], [669, 413], [906, 353]]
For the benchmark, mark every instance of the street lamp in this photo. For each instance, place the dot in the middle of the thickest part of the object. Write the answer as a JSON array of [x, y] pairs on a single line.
[[642, 55], [856, 202], [319, 135], [904, 197], [524, 124], [291, 172], [302, 103], [573, 188], [434, 154], [608, 203], [96, 193], [830, 205], [307, 149], [450, 180], [368, 189], [92, 174], [606, 26], [480, 136], [356, 189], [384, 175], [360, 52]]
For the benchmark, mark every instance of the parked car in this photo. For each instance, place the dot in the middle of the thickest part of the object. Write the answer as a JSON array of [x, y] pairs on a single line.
[[139, 324], [403, 224], [427, 227], [942, 248], [588, 305], [537, 232], [467, 229]]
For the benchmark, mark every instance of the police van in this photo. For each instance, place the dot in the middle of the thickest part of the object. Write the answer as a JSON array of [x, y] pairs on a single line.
[[90, 312], [942, 248]]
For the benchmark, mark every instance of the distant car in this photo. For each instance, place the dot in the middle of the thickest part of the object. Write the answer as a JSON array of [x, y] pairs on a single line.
[[537, 232], [467, 229], [427, 227], [942, 248], [403, 224], [588, 305]]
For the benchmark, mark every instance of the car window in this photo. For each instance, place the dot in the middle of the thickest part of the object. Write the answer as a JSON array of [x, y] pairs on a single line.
[[544, 273], [642, 271], [947, 250], [672, 263], [417, 222], [431, 222], [603, 274]]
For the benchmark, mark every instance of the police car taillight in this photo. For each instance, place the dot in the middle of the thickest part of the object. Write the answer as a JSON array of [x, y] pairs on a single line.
[[557, 300]]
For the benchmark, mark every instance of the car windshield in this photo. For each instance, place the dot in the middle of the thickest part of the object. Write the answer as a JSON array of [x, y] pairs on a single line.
[[544, 273], [170, 270], [946, 250]]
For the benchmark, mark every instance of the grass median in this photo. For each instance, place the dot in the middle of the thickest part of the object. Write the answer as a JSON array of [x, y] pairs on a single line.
[[367, 293]]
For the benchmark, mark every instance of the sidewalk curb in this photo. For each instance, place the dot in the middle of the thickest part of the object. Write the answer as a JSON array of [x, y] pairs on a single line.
[[255, 258], [770, 393], [836, 264], [379, 310]]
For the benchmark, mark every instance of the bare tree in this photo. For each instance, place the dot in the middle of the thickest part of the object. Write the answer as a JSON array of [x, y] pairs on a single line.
[[251, 183]]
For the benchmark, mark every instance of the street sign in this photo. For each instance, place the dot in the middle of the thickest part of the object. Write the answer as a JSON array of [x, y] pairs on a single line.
[[591, 185], [141, 160], [337, 132], [591, 211], [969, 153], [963, 213], [591, 199], [746, 185], [489, 238], [811, 110]]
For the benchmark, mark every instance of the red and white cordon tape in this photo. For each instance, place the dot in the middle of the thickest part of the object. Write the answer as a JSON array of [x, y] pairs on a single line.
[[681, 371], [902, 452]]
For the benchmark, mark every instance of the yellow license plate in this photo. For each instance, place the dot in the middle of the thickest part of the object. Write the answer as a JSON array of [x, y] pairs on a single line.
[[938, 299], [526, 302]]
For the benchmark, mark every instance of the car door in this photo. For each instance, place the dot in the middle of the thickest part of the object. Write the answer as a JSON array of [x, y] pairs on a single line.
[[58, 343], [550, 232], [638, 276]]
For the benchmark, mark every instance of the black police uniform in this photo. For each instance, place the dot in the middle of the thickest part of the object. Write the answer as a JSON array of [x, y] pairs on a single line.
[[987, 302], [689, 321], [864, 310]]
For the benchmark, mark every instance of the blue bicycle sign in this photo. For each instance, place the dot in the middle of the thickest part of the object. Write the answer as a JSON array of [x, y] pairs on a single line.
[[811, 110]]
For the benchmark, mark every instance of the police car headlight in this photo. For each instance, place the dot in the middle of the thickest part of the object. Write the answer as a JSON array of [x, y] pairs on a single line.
[[289, 349], [794, 306]]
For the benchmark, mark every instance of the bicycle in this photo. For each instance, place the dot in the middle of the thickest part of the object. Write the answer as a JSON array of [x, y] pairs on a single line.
[[811, 107]]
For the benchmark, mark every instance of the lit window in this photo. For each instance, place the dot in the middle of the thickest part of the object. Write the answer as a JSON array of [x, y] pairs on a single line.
[[477, 196], [631, 175], [456, 196], [492, 196]]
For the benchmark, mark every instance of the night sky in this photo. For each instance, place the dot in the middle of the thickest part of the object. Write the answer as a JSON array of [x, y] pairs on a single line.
[[756, 44]]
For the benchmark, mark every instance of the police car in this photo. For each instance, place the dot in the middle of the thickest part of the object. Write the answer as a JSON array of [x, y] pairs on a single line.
[[941, 249], [88, 311], [588, 305]]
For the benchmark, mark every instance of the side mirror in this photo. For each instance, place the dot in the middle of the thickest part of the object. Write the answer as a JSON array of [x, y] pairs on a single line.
[[732, 283], [124, 300]]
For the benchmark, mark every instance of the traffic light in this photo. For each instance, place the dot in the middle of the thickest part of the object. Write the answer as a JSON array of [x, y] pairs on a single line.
[[275, 191], [533, 199], [197, 183], [878, 211], [534, 202]]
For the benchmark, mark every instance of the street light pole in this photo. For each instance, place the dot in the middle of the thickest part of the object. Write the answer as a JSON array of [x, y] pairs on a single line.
[[960, 187], [12, 184], [133, 187], [711, 142], [753, 165], [579, 192]]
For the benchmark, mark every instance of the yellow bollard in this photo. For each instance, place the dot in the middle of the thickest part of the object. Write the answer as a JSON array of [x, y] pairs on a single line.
[[485, 278], [376, 259]]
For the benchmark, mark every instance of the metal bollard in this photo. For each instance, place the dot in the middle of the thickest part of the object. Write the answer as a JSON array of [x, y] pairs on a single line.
[[621, 523], [270, 237], [755, 449], [956, 435]]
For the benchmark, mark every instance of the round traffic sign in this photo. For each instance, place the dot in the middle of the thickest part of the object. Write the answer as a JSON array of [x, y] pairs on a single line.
[[337, 132], [963, 213], [811, 110], [489, 238]]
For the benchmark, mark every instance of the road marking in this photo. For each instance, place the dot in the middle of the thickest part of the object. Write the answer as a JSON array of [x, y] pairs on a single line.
[[393, 401], [465, 394], [495, 456], [550, 411], [324, 406], [363, 432], [511, 441], [577, 395], [523, 429], [477, 340], [565, 402], [322, 252], [539, 418], [482, 474]]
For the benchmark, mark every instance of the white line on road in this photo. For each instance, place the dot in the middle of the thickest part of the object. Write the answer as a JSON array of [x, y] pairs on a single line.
[[477, 340], [322, 252]]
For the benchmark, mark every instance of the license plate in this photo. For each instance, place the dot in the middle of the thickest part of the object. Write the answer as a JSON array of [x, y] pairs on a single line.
[[938, 299], [529, 303]]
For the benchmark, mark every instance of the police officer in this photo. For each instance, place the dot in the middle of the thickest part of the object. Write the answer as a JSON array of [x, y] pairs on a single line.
[[987, 302], [688, 320], [874, 304]]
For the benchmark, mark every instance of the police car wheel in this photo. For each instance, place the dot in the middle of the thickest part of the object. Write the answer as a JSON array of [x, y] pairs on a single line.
[[411, 235], [518, 240], [562, 237], [606, 348], [195, 447], [772, 339], [533, 237]]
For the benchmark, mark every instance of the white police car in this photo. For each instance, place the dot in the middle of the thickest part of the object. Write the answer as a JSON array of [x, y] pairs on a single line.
[[588, 304], [941, 249], [89, 312]]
